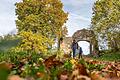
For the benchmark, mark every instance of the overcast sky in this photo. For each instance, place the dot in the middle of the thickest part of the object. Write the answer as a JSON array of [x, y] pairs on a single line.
[[80, 13]]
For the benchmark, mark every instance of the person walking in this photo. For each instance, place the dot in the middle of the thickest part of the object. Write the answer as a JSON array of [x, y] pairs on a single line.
[[80, 53], [74, 47]]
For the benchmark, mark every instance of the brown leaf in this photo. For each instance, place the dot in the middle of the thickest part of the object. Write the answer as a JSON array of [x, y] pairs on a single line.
[[63, 75], [51, 61], [82, 69], [39, 74], [95, 76], [4, 65], [14, 77]]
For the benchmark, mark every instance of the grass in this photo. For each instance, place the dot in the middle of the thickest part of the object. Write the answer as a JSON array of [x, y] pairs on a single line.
[[109, 57]]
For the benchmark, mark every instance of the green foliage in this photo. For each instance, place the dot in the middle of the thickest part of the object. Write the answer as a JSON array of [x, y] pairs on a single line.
[[106, 20], [91, 66], [83, 62], [32, 69], [68, 65], [23, 64], [7, 43], [29, 64], [54, 72], [4, 71], [41, 68], [97, 67], [3, 74]]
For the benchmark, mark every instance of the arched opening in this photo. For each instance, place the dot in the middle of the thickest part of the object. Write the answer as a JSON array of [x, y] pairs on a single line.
[[89, 43], [85, 47]]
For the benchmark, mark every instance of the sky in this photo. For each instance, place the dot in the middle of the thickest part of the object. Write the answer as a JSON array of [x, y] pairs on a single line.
[[80, 13], [7, 16]]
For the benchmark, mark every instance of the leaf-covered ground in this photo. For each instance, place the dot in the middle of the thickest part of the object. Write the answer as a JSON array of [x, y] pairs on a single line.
[[65, 68], [110, 70]]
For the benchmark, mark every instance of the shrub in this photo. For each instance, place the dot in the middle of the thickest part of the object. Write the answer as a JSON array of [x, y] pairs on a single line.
[[32, 42]]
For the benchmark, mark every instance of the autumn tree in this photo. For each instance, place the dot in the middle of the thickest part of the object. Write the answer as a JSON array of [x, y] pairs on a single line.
[[61, 35], [64, 31], [106, 21], [44, 17]]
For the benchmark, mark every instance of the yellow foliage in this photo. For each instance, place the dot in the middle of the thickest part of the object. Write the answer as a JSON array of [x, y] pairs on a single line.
[[73, 61], [33, 42]]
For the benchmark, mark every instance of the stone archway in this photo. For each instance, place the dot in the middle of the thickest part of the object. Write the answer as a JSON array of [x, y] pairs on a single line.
[[89, 36]]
